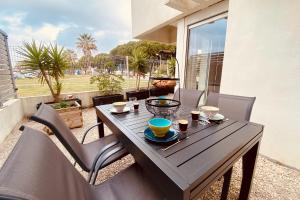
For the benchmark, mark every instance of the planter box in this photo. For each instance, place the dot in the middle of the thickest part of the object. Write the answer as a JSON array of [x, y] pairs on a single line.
[[72, 116], [142, 94], [67, 100], [107, 99]]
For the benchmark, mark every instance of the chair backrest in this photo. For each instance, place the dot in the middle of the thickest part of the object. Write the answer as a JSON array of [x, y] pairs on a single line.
[[233, 107], [37, 170], [188, 97], [49, 117]]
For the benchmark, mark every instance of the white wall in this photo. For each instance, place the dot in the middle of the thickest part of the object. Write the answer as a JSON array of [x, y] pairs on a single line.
[[262, 59], [10, 115], [149, 14], [29, 103]]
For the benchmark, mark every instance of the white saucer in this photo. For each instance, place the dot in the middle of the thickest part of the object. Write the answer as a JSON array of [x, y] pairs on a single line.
[[217, 117], [125, 110], [202, 114]]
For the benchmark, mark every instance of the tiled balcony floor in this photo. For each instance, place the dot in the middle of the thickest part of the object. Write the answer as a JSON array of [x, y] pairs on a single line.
[[272, 181]]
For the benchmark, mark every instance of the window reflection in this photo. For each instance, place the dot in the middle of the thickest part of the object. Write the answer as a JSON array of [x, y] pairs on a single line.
[[205, 55]]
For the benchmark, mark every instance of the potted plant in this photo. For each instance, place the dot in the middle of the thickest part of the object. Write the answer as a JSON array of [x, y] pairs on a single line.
[[109, 85], [139, 64], [51, 63]]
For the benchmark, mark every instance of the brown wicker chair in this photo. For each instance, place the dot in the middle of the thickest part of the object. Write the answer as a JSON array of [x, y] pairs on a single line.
[[85, 155], [37, 170]]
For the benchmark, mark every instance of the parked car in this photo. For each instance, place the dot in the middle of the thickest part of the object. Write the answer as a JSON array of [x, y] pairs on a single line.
[[18, 75], [30, 75]]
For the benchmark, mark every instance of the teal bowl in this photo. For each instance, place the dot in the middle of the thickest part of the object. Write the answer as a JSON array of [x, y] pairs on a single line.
[[159, 126]]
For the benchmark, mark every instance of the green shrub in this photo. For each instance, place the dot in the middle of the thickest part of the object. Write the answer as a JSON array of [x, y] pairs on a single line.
[[61, 105], [108, 83]]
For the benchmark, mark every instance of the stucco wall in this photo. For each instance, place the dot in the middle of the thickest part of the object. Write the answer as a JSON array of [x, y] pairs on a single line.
[[10, 115], [262, 59], [29, 103], [149, 14]]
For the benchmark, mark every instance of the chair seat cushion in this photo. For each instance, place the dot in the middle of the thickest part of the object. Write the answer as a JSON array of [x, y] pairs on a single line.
[[129, 184], [92, 149]]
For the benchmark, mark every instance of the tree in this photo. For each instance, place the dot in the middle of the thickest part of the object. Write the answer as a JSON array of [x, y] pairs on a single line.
[[108, 83], [71, 58], [139, 63], [87, 44], [100, 60], [150, 48], [172, 66], [124, 49], [49, 61], [83, 63], [110, 66]]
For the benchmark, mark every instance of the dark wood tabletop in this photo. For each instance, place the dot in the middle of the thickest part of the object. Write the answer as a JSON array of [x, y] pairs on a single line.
[[189, 167]]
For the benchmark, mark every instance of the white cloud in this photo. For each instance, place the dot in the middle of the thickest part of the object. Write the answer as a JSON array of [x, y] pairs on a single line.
[[99, 34], [19, 32], [14, 20], [109, 21], [45, 33]]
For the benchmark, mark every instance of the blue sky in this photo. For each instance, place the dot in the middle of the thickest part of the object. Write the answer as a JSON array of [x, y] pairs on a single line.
[[109, 21]]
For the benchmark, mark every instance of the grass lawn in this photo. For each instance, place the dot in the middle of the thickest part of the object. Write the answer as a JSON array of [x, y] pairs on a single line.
[[71, 83]]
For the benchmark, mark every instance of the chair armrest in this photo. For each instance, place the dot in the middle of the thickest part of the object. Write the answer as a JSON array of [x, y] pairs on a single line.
[[102, 160], [90, 128], [100, 153]]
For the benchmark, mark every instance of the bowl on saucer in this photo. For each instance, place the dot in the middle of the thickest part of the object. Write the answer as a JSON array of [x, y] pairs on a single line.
[[209, 111], [119, 106], [159, 126], [217, 117]]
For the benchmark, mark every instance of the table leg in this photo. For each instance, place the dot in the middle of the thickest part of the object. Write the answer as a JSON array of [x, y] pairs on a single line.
[[226, 184], [249, 161], [100, 128]]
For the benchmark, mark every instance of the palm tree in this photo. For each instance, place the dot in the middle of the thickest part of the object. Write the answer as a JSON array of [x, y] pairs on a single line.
[[58, 64], [86, 43], [139, 64], [49, 61]]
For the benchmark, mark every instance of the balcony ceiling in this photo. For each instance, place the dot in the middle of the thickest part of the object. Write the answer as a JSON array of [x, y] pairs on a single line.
[[188, 5], [163, 29], [181, 5]]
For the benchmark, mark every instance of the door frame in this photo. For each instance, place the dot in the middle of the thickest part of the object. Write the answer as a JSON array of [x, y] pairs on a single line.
[[188, 28]]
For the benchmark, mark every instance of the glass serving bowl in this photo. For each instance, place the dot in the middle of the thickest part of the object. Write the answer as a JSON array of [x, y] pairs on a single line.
[[162, 107]]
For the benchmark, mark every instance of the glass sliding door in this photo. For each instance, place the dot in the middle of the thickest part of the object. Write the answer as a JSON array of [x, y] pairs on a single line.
[[205, 55]]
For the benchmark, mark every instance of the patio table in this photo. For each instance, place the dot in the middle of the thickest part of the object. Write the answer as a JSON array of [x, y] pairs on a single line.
[[186, 169]]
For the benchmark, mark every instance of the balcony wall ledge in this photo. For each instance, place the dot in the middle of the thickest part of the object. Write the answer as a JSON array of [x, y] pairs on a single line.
[[10, 114]]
